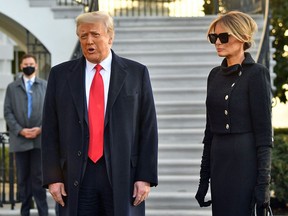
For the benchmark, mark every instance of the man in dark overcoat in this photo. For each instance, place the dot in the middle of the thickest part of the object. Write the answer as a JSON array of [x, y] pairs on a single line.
[[118, 183]]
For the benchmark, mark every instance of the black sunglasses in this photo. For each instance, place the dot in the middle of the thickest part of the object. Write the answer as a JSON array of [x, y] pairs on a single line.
[[223, 37]]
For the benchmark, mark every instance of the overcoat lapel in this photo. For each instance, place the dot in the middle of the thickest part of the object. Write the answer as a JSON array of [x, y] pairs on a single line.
[[21, 87], [118, 75], [76, 78], [20, 83]]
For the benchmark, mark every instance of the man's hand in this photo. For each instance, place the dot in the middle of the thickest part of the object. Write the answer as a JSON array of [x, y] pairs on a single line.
[[30, 133], [57, 191], [141, 191]]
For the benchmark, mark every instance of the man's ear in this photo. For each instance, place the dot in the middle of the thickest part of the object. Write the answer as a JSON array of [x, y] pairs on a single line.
[[110, 40]]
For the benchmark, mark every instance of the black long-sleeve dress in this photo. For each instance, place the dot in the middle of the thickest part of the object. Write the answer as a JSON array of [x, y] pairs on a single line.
[[238, 107]]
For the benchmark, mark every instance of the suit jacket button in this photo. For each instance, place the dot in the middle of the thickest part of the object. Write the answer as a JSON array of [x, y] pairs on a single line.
[[226, 97], [227, 126], [79, 153], [76, 183]]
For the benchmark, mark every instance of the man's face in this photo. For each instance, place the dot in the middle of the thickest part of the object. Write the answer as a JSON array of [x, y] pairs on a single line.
[[28, 62], [29, 67], [95, 41]]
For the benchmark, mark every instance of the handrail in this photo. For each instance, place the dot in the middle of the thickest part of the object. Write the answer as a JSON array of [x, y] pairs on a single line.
[[161, 7], [264, 36], [92, 5]]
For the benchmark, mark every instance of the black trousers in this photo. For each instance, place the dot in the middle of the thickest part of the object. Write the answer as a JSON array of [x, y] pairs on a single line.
[[95, 195], [29, 175]]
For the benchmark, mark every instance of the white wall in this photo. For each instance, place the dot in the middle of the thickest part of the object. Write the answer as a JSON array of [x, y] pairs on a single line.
[[57, 35], [6, 57]]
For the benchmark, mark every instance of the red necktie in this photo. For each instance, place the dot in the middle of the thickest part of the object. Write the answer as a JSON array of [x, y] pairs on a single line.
[[96, 116]]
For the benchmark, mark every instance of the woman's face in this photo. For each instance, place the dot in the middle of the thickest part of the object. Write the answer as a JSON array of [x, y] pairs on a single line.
[[232, 48]]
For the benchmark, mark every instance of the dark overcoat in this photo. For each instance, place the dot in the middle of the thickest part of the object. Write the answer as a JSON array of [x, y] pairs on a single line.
[[130, 136], [15, 113]]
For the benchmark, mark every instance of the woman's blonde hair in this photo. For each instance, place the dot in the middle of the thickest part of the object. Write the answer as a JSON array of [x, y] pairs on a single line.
[[97, 16], [238, 24]]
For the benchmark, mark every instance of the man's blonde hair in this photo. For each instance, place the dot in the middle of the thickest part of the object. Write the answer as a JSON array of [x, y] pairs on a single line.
[[97, 16], [238, 24]]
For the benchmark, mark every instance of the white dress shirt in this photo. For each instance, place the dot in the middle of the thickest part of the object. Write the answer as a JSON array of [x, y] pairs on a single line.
[[26, 81], [105, 73]]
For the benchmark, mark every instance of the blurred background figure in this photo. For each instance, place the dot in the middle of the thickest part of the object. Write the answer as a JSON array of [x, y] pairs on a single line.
[[23, 114]]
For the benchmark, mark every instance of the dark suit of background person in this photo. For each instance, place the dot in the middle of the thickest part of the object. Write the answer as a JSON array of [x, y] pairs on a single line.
[[130, 134], [238, 136], [25, 134]]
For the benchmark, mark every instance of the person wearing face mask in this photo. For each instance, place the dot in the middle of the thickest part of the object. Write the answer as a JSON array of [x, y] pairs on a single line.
[[23, 114], [236, 159]]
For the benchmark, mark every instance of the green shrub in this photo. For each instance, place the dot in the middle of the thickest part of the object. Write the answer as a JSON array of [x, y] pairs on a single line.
[[4, 166], [279, 171]]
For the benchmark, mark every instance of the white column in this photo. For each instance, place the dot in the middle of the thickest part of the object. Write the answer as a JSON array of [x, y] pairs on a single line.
[[6, 76]]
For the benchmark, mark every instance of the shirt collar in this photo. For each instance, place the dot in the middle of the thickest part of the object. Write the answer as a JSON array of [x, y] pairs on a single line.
[[106, 63], [26, 79]]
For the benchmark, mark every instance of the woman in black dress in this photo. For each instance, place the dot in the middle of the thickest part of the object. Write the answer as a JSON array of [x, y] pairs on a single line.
[[238, 135]]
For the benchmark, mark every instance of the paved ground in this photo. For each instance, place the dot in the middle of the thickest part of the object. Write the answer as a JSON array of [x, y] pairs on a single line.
[[7, 211]]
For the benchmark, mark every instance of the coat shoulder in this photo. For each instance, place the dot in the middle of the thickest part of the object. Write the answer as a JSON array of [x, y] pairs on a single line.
[[257, 71], [41, 81], [213, 72], [132, 62], [127, 62], [16, 82], [67, 64], [63, 69]]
